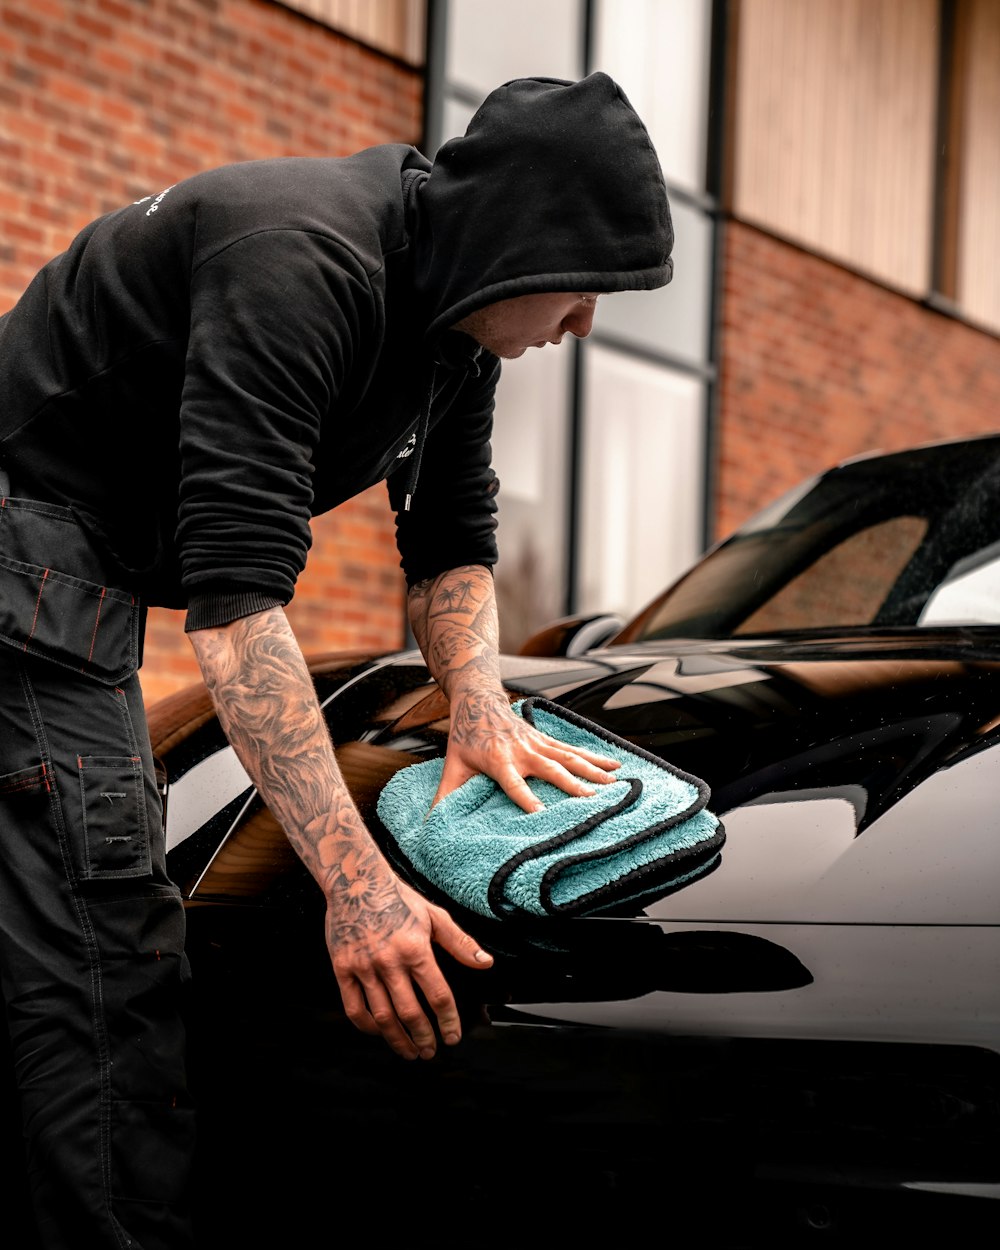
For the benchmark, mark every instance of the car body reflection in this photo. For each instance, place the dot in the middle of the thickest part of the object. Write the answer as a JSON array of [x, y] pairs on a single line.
[[817, 1019]]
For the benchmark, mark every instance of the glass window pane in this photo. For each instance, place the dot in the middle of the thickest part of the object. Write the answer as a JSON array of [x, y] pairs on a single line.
[[642, 481], [847, 585], [489, 43], [674, 319], [970, 595], [659, 51], [455, 118], [530, 456]]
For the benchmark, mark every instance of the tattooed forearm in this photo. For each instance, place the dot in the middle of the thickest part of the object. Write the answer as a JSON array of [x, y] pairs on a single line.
[[454, 621], [267, 706], [481, 716], [253, 670], [454, 595], [460, 667]]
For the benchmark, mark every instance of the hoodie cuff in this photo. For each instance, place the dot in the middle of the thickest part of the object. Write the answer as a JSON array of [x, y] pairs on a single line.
[[209, 611]]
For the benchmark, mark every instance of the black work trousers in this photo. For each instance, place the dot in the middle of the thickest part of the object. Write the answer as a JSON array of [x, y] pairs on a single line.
[[92, 962]]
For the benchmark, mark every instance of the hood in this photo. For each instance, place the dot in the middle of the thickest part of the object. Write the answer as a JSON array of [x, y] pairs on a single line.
[[855, 786], [554, 186]]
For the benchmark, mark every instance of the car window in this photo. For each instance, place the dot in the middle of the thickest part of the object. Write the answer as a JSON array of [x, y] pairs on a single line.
[[900, 540], [969, 595], [846, 585]]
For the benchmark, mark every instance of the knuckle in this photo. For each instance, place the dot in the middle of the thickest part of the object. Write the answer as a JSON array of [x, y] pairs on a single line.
[[439, 999], [413, 1020], [346, 967], [355, 1013], [384, 1017], [411, 950], [359, 1017]]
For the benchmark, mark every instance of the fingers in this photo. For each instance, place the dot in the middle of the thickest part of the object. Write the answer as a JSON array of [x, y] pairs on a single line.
[[522, 752], [402, 1021], [369, 1010], [517, 789], [600, 761], [379, 986], [371, 1007], [386, 1003], [457, 942], [453, 775], [585, 764], [579, 760], [568, 769]]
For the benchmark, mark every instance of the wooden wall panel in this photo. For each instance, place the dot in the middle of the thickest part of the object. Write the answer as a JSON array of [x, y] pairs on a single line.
[[835, 114], [394, 26], [978, 292]]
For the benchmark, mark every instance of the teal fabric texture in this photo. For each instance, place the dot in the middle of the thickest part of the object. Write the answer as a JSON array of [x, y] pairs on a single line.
[[645, 834]]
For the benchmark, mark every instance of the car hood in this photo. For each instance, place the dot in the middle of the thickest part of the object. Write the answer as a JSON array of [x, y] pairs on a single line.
[[856, 895], [855, 776]]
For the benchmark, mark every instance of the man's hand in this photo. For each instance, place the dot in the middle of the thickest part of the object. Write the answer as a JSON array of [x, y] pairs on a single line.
[[380, 935], [454, 620], [488, 737], [379, 932]]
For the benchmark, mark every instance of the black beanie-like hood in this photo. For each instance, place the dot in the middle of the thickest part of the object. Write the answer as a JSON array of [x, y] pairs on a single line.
[[554, 186]]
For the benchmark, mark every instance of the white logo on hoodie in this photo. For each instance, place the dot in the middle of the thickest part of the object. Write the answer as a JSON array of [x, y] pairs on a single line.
[[156, 202]]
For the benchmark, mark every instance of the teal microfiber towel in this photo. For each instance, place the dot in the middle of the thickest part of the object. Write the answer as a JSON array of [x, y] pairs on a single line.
[[646, 833]]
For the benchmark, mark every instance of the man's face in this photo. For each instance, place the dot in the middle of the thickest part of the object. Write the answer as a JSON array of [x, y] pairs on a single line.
[[510, 326]]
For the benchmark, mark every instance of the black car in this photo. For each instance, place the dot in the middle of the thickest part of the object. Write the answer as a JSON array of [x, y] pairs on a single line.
[[800, 1046]]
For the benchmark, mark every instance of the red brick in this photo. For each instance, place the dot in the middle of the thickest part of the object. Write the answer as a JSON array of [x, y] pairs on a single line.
[[136, 96], [818, 364]]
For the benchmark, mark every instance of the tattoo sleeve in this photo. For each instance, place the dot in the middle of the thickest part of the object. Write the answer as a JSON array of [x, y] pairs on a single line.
[[454, 620], [267, 706]]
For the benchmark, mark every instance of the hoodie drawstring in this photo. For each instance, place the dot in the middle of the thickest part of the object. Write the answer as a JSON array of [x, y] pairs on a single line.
[[413, 469]]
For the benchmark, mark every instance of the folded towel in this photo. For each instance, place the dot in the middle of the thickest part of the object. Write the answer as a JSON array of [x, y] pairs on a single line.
[[644, 834]]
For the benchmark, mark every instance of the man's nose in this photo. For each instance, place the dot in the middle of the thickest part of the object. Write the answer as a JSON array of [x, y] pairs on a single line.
[[580, 321]]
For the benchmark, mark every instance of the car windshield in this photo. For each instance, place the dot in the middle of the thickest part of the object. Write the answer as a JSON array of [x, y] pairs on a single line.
[[904, 540]]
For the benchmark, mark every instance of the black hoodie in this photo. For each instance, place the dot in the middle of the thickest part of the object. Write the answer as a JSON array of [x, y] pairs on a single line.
[[203, 371]]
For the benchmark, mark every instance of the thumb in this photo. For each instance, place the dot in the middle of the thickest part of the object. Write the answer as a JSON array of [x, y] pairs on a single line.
[[457, 942], [454, 774]]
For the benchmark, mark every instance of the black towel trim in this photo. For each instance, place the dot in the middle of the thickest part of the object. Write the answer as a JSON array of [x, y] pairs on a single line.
[[494, 892]]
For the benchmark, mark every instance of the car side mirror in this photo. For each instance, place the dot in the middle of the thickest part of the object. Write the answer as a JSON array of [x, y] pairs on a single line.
[[572, 635]]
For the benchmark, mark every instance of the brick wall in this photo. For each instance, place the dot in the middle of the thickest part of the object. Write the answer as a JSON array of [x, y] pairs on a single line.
[[104, 101], [819, 363]]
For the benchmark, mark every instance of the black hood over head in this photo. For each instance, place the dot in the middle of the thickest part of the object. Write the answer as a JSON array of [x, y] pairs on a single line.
[[554, 186]]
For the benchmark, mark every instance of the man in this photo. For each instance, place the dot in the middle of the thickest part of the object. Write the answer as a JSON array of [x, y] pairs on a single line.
[[197, 376]]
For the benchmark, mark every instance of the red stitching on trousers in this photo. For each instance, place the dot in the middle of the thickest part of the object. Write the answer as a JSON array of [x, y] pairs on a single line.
[[40, 777], [38, 604], [97, 624], [26, 783]]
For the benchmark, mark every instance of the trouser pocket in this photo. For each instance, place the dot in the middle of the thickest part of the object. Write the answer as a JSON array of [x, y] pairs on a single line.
[[114, 816], [55, 600]]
